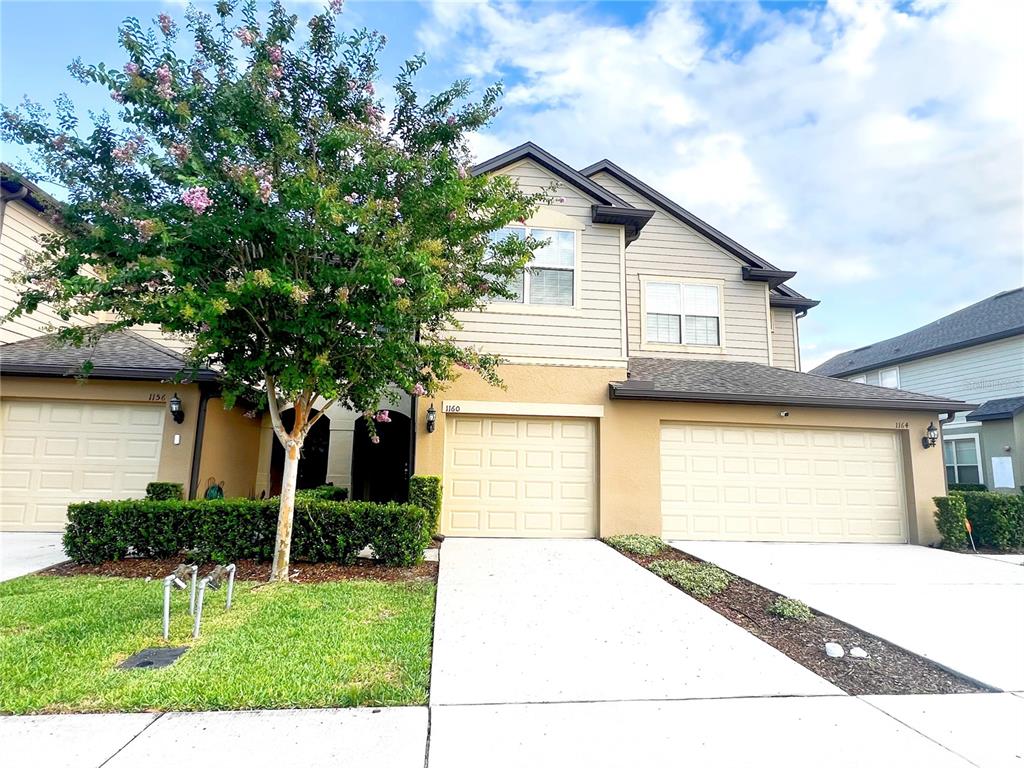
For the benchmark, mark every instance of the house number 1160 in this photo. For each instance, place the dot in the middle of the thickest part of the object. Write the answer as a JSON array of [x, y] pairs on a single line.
[[452, 408]]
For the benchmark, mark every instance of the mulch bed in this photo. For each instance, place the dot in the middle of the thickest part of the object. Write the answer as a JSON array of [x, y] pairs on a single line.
[[253, 570], [888, 669]]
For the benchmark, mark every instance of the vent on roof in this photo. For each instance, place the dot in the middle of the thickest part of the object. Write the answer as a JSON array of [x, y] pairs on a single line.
[[1008, 293]]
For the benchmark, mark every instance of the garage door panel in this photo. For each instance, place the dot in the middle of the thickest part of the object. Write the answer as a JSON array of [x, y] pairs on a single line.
[[52, 457], [781, 484], [538, 480]]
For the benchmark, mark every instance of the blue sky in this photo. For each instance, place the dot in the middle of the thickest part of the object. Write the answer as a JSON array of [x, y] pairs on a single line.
[[875, 148]]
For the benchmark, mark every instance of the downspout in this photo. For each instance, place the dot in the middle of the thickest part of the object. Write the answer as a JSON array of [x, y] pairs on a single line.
[[6, 197], [413, 425], [205, 393]]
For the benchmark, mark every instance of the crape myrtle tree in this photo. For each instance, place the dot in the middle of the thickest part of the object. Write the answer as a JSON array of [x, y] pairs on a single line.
[[257, 200]]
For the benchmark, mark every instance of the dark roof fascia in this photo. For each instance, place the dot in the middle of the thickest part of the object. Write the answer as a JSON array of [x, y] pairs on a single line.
[[792, 302], [633, 219], [107, 372], [13, 181], [530, 151], [1004, 334], [621, 391], [774, 277]]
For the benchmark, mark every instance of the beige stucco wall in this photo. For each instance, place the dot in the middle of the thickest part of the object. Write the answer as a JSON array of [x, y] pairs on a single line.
[[175, 459], [629, 436], [230, 450]]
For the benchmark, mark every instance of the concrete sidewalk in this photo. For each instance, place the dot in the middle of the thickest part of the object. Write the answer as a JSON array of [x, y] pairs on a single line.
[[24, 553]]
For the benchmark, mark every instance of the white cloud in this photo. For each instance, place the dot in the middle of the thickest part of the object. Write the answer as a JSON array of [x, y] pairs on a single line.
[[873, 148]]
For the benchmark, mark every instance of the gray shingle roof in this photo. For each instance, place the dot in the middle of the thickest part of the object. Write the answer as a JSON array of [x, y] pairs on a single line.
[[117, 355], [996, 317], [1003, 408], [735, 382]]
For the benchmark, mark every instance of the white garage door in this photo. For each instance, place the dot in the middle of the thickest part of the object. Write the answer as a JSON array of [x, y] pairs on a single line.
[[519, 476], [57, 452], [770, 484]]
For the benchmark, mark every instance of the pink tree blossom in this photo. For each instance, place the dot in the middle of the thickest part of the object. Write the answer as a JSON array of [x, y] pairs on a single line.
[[117, 96], [336, 5], [419, 390], [179, 152], [275, 53], [246, 35], [382, 417], [131, 68], [166, 23], [398, 281], [375, 439], [145, 227], [197, 199]]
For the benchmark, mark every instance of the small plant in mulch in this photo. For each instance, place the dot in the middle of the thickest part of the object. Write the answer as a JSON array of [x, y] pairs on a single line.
[[698, 579], [637, 544], [788, 608]]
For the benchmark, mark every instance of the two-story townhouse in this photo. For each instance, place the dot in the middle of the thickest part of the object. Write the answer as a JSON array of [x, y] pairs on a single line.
[[63, 439], [974, 354], [653, 385]]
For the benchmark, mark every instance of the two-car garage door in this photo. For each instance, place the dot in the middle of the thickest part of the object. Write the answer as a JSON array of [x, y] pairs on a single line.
[[53, 453], [777, 484]]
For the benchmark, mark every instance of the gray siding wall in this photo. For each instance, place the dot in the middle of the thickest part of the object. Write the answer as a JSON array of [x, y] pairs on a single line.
[[667, 247], [591, 332], [784, 341]]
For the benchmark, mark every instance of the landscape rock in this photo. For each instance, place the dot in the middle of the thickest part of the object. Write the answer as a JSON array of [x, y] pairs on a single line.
[[834, 650], [858, 653]]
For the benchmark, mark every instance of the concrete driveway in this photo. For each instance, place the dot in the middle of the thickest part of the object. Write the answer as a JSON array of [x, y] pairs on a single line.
[[23, 553], [962, 611], [521, 621]]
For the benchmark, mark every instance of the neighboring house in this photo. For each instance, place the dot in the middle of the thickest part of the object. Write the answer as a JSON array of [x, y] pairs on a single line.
[[652, 385], [975, 354], [64, 440]]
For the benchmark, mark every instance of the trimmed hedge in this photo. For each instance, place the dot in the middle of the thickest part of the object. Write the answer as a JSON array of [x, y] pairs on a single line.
[[324, 493], [425, 491], [996, 518], [165, 491], [950, 514], [967, 487], [238, 529]]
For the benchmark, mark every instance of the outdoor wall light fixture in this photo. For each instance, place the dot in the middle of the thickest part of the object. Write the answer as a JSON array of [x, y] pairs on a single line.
[[174, 405], [431, 418], [930, 436]]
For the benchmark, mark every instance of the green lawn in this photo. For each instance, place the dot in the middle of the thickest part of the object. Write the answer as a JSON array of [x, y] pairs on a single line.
[[337, 644]]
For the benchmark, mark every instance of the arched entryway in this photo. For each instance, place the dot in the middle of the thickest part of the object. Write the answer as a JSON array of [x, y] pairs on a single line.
[[380, 471], [312, 464]]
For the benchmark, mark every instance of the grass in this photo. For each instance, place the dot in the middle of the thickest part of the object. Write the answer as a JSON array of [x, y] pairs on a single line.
[[788, 608], [336, 644], [637, 544], [699, 579]]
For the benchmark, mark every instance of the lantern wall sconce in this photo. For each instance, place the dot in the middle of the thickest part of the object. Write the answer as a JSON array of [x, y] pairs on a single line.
[[174, 406], [931, 436], [431, 418]]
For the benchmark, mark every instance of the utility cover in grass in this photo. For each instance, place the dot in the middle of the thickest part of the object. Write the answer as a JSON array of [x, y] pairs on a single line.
[[153, 658]]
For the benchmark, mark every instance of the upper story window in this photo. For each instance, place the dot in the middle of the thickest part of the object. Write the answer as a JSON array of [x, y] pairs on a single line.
[[550, 278], [682, 313], [861, 379], [889, 377]]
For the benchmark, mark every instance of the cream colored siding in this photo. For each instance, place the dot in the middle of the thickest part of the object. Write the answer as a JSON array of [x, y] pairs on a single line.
[[592, 330], [667, 247], [784, 354]]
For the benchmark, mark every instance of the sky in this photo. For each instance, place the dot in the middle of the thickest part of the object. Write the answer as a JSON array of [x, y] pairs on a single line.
[[875, 148]]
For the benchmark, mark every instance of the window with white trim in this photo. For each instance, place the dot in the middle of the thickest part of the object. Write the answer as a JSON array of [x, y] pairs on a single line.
[[963, 464], [862, 379], [682, 313], [551, 275], [889, 377]]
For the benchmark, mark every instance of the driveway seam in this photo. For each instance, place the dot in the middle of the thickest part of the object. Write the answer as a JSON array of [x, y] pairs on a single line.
[[133, 738], [920, 733], [648, 701]]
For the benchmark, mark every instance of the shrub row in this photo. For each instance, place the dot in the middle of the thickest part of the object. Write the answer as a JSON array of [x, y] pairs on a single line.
[[425, 491], [967, 487], [158, 491], [235, 529], [324, 493], [997, 519]]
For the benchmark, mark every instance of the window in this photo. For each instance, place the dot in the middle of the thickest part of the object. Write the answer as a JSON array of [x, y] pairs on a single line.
[[680, 313], [862, 379], [962, 462], [550, 276], [889, 377]]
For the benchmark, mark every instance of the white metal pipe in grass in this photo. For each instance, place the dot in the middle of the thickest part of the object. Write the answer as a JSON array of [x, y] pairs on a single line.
[[169, 581], [192, 594], [199, 605], [231, 583]]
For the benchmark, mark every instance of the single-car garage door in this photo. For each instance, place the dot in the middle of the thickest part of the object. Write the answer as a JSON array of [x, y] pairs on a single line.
[[53, 453], [777, 484], [519, 476]]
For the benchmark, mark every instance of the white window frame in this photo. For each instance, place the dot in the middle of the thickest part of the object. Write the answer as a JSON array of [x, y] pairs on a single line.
[[977, 452], [894, 369], [682, 346], [859, 379], [525, 307]]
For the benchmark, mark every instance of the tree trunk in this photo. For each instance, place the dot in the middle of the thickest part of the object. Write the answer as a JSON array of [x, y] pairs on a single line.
[[283, 545]]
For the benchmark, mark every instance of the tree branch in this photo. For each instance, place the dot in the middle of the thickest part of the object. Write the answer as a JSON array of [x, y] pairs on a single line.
[[275, 413]]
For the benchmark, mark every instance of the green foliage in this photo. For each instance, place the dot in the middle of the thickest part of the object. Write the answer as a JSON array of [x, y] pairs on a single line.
[[425, 491], [702, 580], [950, 519], [236, 529], [788, 608], [324, 492], [349, 644], [165, 491], [967, 487], [637, 544], [997, 519]]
